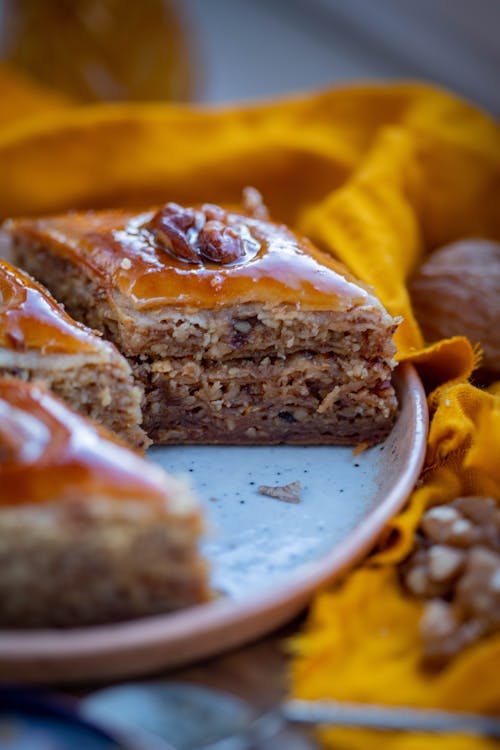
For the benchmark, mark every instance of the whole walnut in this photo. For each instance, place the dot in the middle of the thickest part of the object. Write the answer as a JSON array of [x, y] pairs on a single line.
[[457, 293]]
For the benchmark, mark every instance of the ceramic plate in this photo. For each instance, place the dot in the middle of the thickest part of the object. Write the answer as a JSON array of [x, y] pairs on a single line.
[[267, 556]]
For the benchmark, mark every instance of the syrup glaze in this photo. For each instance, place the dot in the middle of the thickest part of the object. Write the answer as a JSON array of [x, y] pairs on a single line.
[[49, 452], [121, 250], [31, 319]]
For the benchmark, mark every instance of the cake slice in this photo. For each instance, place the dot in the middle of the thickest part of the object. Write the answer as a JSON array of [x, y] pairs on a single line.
[[90, 532], [239, 330], [39, 341]]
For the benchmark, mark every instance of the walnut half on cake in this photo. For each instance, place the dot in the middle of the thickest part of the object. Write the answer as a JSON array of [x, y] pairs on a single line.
[[89, 531], [239, 330], [39, 341]]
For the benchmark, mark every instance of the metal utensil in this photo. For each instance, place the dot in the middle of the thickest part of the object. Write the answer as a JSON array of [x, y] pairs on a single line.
[[389, 718], [192, 717]]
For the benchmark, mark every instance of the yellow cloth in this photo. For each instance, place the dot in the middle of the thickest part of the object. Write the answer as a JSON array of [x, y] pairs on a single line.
[[379, 176], [463, 458], [361, 641], [23, 98], [361, 645]]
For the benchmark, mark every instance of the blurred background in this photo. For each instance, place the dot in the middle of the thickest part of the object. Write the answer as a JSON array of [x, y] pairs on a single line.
[[227, 50]]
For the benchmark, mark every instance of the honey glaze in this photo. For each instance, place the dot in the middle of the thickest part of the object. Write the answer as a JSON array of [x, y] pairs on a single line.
[[48, 452], [31, 319], [178, 256]]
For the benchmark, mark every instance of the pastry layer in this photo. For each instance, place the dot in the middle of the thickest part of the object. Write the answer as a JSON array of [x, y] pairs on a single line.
[[175, 330], [104, 391], [91, 560], [89, 531], [139, 258], [39, 341]]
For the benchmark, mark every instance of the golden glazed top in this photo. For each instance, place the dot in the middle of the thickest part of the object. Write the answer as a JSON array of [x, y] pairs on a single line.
[[47, 452], [201, 257], [31, 319]]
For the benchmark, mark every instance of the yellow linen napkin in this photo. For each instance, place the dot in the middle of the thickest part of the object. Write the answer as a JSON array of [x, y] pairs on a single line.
[[23, 98], [379, 176], [361, 641]]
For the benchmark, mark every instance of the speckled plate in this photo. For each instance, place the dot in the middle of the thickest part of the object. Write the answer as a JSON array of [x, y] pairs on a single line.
[[267, 556]]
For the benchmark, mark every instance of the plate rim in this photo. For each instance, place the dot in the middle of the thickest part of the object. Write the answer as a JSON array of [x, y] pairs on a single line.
[[51, 655]]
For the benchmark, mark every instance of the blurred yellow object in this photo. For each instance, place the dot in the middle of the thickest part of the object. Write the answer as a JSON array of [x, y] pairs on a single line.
[[94, 50], [23, 97], [379, 176]]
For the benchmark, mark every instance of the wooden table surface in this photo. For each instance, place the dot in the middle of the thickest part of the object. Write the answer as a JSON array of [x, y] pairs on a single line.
[[256, 673]]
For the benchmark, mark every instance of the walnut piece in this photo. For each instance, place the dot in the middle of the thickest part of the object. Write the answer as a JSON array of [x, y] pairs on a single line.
[[455, 568], [445, 563], [254, 205], [220, 243], [169, 226], [443, 524], [288, 493], [457, 293], [195, 235]]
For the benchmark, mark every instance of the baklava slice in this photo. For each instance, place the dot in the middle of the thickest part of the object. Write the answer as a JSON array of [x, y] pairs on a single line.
[[240, 330], [39, 341], [90, 532]]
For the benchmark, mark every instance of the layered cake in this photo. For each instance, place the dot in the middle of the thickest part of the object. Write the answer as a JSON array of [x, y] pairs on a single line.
[[239, 330], [39, 341], [89, 531]]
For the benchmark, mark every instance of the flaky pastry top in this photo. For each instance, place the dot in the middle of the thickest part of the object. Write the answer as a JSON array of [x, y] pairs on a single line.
[[199, 257], [48, 453], [31, 319]]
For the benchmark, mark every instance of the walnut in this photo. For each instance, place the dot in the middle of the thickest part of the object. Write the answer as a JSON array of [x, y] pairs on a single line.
[[445, 563], [483, 511], [471, 613], [455, 568], [195, 235], [438, 620], [254, 205], [220, 243], [170, 226], [477, 593], [287, 493], [443, 634], [457, 292], [444, 524], [213, 212]]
